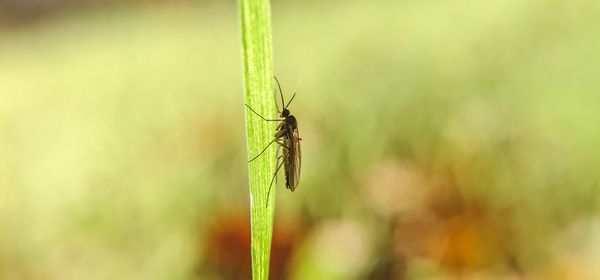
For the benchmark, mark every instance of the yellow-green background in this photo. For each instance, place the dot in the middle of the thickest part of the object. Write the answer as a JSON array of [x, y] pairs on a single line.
[[441, 139]]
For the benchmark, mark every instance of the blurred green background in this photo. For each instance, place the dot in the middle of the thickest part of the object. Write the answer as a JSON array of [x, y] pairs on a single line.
[[441, 140]]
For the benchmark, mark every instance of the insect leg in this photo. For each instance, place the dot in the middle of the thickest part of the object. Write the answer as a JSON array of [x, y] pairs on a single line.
[[274, 140], [282, 145], [274, 176], [269, 120]]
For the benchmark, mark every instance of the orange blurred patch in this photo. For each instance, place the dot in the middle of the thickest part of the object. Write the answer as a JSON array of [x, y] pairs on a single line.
[[460, 234], [227, 247]]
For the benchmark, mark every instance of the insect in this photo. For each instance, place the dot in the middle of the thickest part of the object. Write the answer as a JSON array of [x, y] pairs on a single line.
[[288, 139]]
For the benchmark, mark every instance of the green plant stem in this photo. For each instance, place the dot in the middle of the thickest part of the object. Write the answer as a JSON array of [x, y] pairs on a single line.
[[258, 88]]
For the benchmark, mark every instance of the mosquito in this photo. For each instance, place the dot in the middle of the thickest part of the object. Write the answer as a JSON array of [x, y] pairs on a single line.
[[288, 139]]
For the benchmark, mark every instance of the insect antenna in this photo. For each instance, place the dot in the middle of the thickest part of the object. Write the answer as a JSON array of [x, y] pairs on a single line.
[[294, 95], [280, 92], [275, 99]]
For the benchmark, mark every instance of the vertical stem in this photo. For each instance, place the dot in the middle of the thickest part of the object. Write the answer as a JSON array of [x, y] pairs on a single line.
[[258, 88]]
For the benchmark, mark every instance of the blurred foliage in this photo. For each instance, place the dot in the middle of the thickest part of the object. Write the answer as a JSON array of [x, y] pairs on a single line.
[[441, 139]]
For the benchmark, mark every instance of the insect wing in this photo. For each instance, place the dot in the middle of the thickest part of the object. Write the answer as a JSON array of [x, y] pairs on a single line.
[[298, 157], [293, 160]]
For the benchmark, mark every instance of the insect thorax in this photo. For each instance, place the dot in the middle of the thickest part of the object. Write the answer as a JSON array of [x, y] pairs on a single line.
[[291, 120]]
